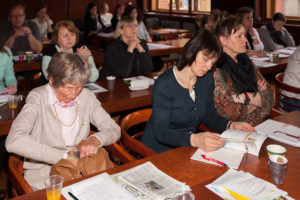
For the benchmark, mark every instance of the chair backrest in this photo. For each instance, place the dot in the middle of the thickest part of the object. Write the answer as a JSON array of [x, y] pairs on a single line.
[[19, 185], [281, 98], [152, 22], [36, 80], [130, 141]]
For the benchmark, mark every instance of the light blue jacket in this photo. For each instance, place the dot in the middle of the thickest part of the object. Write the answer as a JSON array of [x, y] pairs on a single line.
[[6, 69]]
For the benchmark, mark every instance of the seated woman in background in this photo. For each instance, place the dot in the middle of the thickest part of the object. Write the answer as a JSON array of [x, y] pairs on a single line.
[[7, 73], [134, 12], [126, 55], [292, 78], [274, 36], [65, 38], [241, 92], [43, 21], [57, 117], [105, 15], [254, 45], [92, 21], [183, 99], [211, 21], [118, 11]]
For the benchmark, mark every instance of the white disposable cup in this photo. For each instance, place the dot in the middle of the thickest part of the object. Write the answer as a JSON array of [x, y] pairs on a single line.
[[110, 82]]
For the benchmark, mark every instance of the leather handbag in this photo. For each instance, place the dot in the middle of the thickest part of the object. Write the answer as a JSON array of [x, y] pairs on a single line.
[[77, 168]]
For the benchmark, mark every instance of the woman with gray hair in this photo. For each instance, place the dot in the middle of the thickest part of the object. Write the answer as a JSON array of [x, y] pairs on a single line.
[[126, 55], [57, 117]]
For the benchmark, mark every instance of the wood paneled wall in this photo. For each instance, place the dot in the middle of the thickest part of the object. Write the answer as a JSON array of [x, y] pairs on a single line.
[[57, 9]]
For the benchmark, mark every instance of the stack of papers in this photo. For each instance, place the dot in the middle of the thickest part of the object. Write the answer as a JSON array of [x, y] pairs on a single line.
[[4, 97], [151, 81], [286, 51], [94, 88], [153, 46], [142, 182], [241, 185], [107, 35], [280, 131], [263, 63]]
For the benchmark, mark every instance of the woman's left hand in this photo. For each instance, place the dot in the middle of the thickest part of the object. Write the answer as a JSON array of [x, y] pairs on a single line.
[[86, 53], [89, 146], [262, 84], [11, 89], [242, 126]]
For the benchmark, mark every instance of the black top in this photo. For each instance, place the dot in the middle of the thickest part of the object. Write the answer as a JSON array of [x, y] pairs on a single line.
[[175, 116], [121, 63]]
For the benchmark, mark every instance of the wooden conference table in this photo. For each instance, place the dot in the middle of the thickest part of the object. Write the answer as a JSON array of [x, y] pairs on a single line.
[[177, 164], [118, 100]]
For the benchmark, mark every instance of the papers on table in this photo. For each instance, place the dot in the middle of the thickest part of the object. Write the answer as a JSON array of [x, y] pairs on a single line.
[[259, 58], [262, 63], [3, 90], [95, 88], [231, 157], [280, 55], [286, 51], [4, 97], [95, 188], [142, 182], [107, 35], [280, 131], [151, 81], [154, 46], [241, 185]]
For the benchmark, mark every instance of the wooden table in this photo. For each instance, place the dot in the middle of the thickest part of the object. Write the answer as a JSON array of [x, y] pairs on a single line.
[[279, 67], [176, 46], [177, 164], [25, 66], [118, 100], [167, 33]]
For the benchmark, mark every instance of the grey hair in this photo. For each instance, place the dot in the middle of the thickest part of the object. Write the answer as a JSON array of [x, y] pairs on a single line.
[[122, 22], [68, 68]]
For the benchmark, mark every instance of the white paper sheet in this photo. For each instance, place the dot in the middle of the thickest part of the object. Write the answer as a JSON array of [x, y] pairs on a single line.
[[151, 81], [93, 87], [107, 35], [154, 46], [263, 64]]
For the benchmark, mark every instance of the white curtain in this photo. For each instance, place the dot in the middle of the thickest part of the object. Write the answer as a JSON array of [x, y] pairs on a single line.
[[292, 7]]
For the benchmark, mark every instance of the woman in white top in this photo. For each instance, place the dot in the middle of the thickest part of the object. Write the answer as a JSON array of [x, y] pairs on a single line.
[[43, 22], [134, 12], [105, 15], [254, 44]]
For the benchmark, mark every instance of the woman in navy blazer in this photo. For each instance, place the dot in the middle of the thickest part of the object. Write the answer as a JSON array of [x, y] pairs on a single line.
[[183, 98]]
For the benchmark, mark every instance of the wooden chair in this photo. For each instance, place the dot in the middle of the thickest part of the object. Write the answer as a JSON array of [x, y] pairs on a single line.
[[20, 186], [281, 98], [186, 35], [130, 142], [36, 80]]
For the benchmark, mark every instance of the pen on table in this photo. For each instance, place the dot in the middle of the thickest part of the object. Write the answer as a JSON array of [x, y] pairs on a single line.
[[214, 160], [73, 196], [2, 104]]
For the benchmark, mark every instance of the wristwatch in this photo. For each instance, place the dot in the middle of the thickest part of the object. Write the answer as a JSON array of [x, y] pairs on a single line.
[[247, 99]]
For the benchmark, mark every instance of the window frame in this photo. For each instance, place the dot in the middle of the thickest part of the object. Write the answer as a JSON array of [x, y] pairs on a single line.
[[189, 11]]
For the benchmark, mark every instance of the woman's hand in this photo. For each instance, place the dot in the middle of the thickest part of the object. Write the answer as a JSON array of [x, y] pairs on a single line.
[[86, 53], [206, 141], [132, 44], [11, 89], [89, 146], [242, 126], [262, 84]]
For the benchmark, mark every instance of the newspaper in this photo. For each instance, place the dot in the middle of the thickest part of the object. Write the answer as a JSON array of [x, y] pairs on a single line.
[[148, 181]]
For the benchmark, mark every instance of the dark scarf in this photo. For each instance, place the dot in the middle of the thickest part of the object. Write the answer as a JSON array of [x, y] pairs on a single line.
[[275, 35], [242, 73], [250, 41]]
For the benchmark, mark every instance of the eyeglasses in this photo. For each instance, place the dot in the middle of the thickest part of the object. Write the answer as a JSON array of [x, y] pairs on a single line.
[[17, 16]]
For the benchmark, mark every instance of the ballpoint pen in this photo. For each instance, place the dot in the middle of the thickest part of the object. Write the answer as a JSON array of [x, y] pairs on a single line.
[[214, 160], [73, 196]]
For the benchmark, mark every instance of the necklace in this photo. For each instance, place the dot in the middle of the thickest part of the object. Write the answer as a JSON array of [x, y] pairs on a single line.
[[68, 125]]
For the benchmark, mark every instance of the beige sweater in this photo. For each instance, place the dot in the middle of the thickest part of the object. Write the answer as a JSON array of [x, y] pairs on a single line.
[[36, 133]]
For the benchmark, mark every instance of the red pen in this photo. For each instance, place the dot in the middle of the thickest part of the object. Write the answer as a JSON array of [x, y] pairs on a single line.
[[214, 160]]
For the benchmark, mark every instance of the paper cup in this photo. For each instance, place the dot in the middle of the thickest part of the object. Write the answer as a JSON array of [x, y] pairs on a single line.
[[110, 82], [29, 55], [275, 149], [277, 165]]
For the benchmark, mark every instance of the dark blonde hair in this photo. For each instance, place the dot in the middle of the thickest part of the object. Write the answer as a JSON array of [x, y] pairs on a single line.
[[69, 25], [122, 22], [17, 6], [229, 26], [68, 68]]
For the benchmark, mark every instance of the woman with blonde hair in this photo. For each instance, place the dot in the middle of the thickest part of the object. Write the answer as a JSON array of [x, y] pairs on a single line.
[[65, 38], [126, 55]]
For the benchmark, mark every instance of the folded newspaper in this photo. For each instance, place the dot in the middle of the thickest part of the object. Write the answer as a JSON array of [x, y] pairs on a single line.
[[142, 182]]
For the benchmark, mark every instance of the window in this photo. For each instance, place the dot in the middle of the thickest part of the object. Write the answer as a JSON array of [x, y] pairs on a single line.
[[181, 5], [290, 8]]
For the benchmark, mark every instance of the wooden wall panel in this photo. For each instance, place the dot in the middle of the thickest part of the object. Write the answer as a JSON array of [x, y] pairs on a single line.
[[77, 8], [4, 9], [57, 9], [30, 6]]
